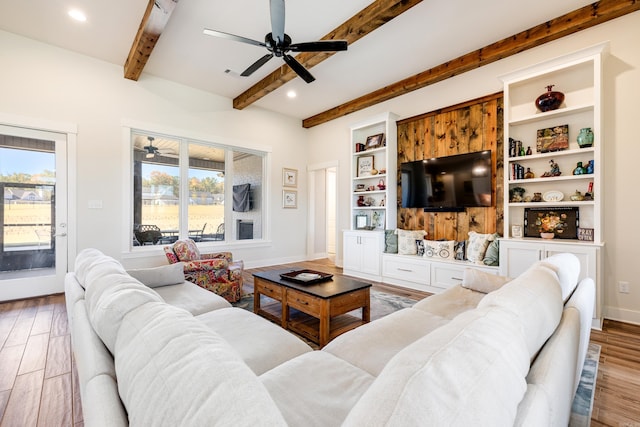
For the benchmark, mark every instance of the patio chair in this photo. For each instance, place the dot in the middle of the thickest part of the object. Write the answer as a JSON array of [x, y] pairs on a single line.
[[148, 234], [216, 272], [196, 235]]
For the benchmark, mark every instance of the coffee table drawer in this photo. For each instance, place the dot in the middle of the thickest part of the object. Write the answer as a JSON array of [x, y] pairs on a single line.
[[269, 289], [304, 302]]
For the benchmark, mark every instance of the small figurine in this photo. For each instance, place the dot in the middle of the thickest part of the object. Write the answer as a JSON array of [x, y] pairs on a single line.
[[555, 170], [516, 194], [529, 152], [537, 197], [528, 174], [590, 167], [579, 170]]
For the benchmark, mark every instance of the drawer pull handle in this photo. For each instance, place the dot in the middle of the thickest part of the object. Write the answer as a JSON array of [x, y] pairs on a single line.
[[405, 269], [457, 278], [302, 302]]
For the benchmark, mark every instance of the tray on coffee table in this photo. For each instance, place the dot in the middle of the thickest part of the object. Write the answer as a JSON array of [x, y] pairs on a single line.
[[306, 276]]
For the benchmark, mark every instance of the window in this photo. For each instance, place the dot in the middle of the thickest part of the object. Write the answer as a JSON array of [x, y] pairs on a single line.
[[193, 189]]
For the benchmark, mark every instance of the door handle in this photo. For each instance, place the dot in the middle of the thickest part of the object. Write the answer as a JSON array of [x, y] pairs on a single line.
[[60, 235]]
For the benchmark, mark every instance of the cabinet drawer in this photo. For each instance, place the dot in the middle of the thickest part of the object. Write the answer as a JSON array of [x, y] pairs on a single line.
[[268, 289], [406, 269], [446, 276], [304, 302]]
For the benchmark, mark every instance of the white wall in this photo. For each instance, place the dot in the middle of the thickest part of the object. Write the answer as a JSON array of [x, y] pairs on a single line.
[[43, 82], [329, 142]]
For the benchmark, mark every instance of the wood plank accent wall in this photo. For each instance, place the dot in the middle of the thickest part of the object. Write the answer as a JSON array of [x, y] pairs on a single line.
[[464, 128]]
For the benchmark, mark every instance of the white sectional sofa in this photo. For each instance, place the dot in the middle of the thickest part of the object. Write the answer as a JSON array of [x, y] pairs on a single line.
[[173, 354]]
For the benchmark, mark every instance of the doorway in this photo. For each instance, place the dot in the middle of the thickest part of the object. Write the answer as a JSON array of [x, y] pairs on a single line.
[[323, 208], [33, 212]]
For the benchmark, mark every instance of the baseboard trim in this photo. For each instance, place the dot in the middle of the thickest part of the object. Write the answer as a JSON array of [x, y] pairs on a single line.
[[622, 315]]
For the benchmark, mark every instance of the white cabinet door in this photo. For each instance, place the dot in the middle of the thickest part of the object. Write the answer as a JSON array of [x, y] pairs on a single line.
[[517, 256], [352, 253], [371, 251], [362, 251]]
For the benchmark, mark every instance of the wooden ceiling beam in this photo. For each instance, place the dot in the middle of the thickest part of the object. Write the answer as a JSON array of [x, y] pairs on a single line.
[[155, 19], [367, 20], [572, 22]]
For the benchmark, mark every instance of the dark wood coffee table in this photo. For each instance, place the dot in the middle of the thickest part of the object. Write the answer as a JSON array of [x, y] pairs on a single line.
[[319, 309]]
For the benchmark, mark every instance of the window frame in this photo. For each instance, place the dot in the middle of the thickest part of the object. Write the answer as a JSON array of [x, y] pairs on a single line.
[[185, 138]]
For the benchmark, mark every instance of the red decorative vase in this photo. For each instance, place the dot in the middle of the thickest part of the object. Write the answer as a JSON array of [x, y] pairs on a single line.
[[550, 100]]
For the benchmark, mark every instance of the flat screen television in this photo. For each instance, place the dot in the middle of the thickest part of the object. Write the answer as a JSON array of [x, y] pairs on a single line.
[[448, 184]]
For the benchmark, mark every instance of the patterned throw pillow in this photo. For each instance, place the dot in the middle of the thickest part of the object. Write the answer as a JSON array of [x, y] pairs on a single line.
[[186, 250], [443, 249], [460, 251], [477, 246], [407, 241], [420, 247]]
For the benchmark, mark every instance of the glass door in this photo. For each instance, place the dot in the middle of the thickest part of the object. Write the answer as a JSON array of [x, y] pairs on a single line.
[[33, 237]]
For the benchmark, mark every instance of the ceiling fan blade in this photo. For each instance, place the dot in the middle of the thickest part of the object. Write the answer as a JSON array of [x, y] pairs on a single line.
[[320, 46], [298, 68], [277, 20], [232, 37], [259, 63]]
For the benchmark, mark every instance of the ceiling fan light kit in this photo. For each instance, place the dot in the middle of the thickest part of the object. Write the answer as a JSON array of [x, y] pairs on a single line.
[[279, 44]]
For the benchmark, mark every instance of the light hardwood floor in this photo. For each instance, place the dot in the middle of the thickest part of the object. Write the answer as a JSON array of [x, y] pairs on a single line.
[[38, 386]]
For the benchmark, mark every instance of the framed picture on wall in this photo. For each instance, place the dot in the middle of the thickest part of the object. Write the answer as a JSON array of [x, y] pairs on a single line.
[[289, 177], [289, 199]]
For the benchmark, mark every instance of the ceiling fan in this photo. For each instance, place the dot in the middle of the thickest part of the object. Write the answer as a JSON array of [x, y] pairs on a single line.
[[279, 44], [151, 150]]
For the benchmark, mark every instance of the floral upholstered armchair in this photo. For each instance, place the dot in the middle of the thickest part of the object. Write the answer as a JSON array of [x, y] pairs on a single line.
[[216, 272]]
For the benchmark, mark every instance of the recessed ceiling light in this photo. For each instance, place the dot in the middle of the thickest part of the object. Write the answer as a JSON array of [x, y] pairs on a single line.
[[78, 15], [292, 94]]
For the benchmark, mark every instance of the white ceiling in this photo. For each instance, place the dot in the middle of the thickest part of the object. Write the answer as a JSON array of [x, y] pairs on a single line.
[[426, 35]]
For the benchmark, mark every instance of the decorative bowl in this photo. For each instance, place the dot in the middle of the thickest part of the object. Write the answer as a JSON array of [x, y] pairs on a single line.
[[547, 235]]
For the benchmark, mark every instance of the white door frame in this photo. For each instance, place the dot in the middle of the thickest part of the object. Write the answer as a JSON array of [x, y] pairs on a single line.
[[65, 135], [311, 218]]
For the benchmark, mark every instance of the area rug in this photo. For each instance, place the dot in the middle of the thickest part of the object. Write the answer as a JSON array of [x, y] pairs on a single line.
[[381, 303], [583, 401]]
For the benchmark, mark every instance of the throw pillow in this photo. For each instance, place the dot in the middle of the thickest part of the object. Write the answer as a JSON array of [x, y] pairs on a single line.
[[443, 249], [186, 250], [407, 240], [459, 249], [477, 246], [165, 275], [390, 242], [492, 255], [481, 281], [420, 247]]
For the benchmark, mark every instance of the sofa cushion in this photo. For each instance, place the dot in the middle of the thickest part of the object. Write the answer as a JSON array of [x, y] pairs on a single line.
[[191, 297], [387, 335], [567, 267], [86, 259], [110, 298], [101, 406], [482, 281], [554, 368], [164, 275], [450, 303], [262, 345], [469, 371], [316, 389], [536, 299], [174, 370]]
